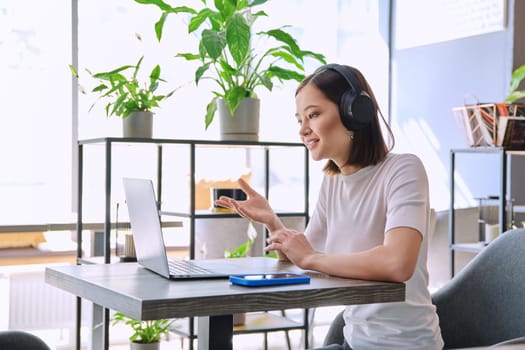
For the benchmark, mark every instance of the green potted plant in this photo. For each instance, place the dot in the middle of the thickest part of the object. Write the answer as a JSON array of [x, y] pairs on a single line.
[[240, 251], [227, 57], [517, 76], [146, 334], [125, 97]]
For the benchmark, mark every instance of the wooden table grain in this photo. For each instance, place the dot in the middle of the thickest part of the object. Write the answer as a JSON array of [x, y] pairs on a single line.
[[141, 294]]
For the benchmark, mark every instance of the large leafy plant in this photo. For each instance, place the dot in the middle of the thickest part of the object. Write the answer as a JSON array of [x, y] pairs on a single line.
[[144, 332], [226, 54], [517, 76], [124, 94]]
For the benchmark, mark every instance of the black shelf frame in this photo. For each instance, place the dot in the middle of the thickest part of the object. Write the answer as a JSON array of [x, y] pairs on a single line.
[[503, 154], [192, 214]]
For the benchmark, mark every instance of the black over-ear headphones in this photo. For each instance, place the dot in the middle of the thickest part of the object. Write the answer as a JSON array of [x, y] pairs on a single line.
[[356, 108]]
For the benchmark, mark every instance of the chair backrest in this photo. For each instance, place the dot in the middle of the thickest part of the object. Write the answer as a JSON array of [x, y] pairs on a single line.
[[21, 340], [485, 302]]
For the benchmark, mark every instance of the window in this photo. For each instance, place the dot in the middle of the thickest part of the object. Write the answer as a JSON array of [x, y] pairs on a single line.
[[35, 89], [36, 43]]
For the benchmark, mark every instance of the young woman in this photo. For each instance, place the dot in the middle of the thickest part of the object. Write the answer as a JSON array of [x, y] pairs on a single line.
[[372, 214]]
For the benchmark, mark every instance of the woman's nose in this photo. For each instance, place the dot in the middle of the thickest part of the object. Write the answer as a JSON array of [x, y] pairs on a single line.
[[304, 129]]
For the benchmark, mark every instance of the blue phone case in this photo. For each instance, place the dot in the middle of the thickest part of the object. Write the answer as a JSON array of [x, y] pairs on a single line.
[[269, 279]]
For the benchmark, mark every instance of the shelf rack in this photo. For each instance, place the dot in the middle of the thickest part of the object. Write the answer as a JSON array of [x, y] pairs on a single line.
[[503, 154], [192, 213]]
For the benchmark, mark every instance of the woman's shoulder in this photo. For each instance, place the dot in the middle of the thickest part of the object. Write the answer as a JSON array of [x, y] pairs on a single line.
[[402, 158], [403, 162]]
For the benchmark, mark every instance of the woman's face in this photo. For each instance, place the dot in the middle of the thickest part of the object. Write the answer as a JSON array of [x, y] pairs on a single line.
[[321, 130]]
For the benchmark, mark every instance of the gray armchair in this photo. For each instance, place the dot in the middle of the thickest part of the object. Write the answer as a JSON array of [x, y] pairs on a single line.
[[484, 304], [19, 340]]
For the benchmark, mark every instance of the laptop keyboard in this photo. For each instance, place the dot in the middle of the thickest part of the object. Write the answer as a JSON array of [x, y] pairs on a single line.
[[186, 267]]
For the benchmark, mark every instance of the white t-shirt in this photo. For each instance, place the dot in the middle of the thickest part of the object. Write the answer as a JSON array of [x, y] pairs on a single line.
[[353, 214]]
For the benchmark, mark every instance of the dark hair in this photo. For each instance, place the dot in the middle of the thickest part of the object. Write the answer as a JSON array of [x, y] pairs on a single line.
[[369, 146]]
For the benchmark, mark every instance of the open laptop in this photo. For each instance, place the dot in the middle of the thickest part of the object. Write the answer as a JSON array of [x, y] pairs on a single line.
[[149, 241]]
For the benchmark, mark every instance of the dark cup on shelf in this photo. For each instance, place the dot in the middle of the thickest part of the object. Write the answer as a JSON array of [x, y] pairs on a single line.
[[235, 193]]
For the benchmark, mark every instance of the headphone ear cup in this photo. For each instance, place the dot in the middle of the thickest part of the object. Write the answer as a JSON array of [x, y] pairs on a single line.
[[363, 109], [345, 109], [357, 112]]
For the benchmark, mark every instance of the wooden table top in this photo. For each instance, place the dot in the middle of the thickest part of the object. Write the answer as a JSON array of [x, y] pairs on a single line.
[[141, 294]]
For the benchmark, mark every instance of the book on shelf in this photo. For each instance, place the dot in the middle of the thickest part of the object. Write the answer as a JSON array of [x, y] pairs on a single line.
[[511, 132], [486, 124]]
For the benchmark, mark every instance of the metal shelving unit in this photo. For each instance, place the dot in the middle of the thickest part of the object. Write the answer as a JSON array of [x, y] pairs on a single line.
[[502, 199], [192, 146]]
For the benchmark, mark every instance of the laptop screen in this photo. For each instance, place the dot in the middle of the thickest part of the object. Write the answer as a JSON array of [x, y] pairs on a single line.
[[145, 224]]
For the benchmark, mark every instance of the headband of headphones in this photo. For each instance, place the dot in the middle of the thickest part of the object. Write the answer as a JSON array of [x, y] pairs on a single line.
[[356, 108]]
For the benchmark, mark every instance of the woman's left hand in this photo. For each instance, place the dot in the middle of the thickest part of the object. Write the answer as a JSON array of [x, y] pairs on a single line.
[[292, 244]]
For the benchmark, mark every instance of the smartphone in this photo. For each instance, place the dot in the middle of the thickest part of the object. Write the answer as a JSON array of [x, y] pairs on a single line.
[[268, 279]]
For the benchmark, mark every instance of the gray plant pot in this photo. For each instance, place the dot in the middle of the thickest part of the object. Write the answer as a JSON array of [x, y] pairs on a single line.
[[244, 124], [138, 124], [138, 346]]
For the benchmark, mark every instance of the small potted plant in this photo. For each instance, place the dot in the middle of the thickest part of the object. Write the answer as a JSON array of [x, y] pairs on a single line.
[[227, 57], [146, 334], [125, 97]]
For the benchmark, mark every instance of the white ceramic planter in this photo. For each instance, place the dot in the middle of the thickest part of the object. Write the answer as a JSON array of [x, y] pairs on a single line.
[[214, 236]]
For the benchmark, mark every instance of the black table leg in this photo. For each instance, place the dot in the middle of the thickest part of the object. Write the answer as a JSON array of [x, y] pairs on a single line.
[[215, 332]]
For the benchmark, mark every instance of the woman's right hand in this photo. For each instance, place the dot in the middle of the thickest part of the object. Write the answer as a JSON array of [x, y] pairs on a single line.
[[255, 207]]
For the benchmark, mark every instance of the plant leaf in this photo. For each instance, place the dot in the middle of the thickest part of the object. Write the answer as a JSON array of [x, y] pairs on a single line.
[[181, 9], [112, 74], [73, 70], [159, 3], [317, 56], [227, 68], [257, 2], [286, 38], [159, 26], [288, 58], [266, 81], [238, 38], [137, 67], [234, 96], [226, 7], [517, 76], [149, 331], [241, 251], [213, 42], [188, 56], [211, 108], [200, 72], [166, 7], [99, 88], [198, 19], [155, 74], [514, 96], [285, 74]]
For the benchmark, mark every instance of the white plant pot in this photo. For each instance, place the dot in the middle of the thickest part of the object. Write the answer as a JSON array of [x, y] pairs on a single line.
[[244, 124], [214, 236], [138, 124]]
